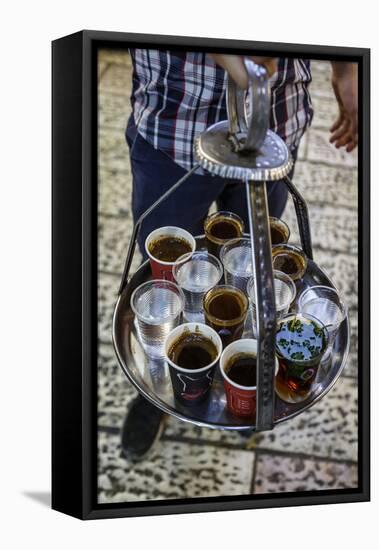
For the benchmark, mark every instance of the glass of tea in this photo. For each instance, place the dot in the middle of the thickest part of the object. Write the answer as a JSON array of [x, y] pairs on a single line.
[[301, 341], [236, 259], [225, 310], [158, 308], [279, 230], [326, 304], [238, 365], [164, 246], [289, 259], [285, 292], [192, 351], [219, 228], [196, 273]]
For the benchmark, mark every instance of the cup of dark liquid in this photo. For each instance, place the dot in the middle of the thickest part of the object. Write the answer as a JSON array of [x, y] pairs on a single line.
[[221, 227], [164, 246], [225, 310], [301, 341], [279, 231], [192, 351], [238, 365], [289, 259]]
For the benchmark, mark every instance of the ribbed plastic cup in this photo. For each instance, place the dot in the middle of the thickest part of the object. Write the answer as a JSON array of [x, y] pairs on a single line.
[[158, 306], [326, 304], [196, 273], [236, 259], [285, 292]]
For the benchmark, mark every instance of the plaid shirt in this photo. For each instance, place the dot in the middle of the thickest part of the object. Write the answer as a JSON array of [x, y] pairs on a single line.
[[177, 95]]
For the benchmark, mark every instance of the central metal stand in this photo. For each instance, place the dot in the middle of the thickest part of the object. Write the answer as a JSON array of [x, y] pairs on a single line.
[[265, 301]]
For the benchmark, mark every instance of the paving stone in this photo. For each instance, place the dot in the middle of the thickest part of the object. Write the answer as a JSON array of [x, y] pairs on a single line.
[[101, 66], [113, 111], [320, 150], [325, 111], [107, 297], [114, 193], [278, 474], [118, 57], [332, 229], [327, 430], [108, 285], [321, 80], [113, 150], [114, 237], [343, 271], [352, 365], [182, 430], [319, 183], [114, 392], [116, 80], [175, 470]]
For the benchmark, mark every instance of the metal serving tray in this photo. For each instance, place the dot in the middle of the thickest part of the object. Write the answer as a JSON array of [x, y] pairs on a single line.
[[151, 376]]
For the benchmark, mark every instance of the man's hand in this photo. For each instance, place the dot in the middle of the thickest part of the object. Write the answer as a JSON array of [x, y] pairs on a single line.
[[234, 66], [345, 86]]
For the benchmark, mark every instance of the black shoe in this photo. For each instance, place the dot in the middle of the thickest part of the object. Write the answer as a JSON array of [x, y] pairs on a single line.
[[142, 428]]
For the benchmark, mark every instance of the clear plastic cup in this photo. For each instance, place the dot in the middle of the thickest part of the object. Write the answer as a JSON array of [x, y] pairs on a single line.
[[236, 259], [326, 304], [196, 273], [158, 306], [285, 293]]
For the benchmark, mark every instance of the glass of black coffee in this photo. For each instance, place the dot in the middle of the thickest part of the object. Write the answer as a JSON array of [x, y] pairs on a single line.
[[221, 227], [192, 351], [225, 310]]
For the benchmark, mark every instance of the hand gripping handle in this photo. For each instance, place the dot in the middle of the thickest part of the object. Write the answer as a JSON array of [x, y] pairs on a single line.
[[248, 129]]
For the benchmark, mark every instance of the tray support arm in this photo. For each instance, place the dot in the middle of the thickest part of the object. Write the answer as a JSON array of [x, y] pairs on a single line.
[[137, 226], [302, 218]]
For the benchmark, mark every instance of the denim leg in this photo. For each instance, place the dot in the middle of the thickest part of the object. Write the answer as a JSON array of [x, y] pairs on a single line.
[[153, 174]]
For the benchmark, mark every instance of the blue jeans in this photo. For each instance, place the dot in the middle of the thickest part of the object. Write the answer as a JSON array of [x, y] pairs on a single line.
[[155, 172]]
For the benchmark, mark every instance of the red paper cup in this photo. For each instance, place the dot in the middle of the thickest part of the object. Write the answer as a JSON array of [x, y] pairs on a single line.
[[160, 269], [240, 400]]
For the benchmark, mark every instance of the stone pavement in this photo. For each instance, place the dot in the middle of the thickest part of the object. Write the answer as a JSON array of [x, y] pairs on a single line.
[[314, 451]]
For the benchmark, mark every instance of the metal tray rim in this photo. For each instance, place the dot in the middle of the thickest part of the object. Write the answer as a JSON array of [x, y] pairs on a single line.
[[155, 400]]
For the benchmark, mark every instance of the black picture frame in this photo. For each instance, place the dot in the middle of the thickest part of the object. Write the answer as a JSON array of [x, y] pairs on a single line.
[[74, 273]]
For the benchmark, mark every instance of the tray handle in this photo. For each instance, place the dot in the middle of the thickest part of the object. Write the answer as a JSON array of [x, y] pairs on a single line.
[[248, 132]]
